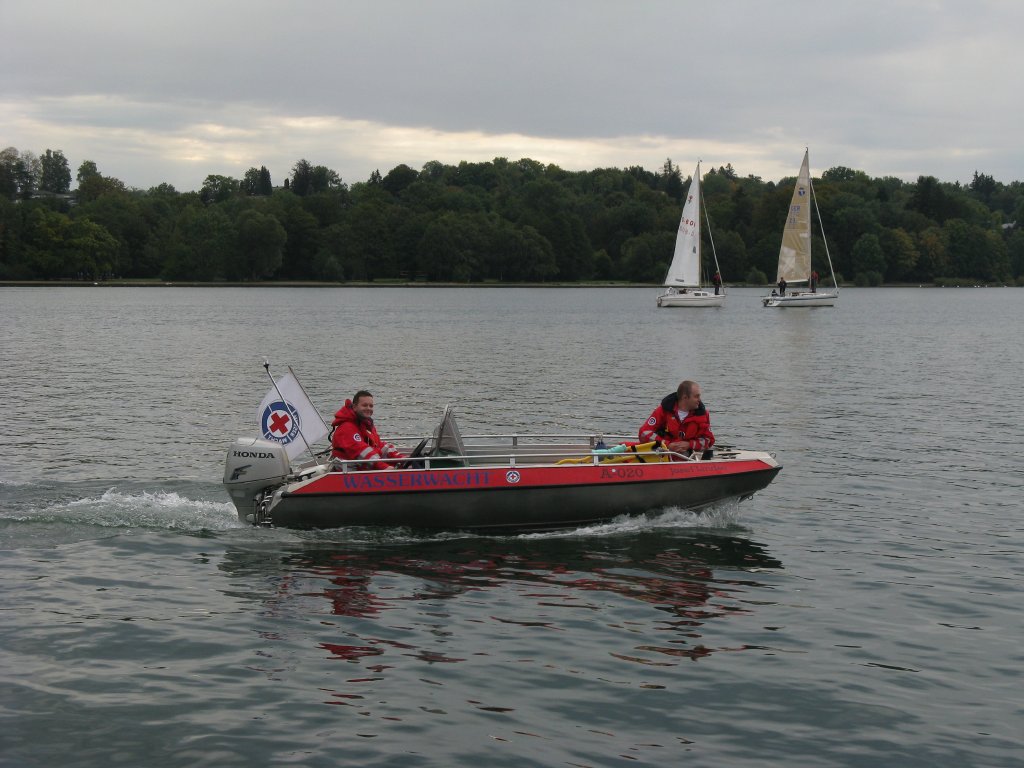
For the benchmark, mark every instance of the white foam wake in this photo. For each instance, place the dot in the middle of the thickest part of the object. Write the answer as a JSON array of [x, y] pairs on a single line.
[[139, 509]]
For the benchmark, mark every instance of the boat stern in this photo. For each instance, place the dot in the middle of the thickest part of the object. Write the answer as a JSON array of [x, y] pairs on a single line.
[[251, 466]]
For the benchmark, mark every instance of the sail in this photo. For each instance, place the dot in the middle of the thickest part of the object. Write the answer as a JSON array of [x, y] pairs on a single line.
[[795, 253], [685, 267]]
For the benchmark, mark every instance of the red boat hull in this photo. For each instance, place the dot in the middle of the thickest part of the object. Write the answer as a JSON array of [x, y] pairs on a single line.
[[514, 498]]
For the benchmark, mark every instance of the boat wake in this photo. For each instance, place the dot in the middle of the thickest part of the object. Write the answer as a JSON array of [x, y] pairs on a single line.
[[116, 508], [154, 510], [719, 516]]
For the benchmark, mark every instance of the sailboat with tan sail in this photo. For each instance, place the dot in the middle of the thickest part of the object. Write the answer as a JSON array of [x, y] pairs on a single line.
[[795, 268]]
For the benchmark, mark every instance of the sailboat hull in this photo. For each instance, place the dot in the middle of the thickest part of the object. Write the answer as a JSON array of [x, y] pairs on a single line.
[[819, 299], [692, 299]]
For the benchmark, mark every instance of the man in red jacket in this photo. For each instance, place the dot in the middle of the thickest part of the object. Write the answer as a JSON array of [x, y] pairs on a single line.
[[681, 422], [355, 437]]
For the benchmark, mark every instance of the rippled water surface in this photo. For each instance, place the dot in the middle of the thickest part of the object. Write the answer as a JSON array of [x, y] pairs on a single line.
[[863, 610]]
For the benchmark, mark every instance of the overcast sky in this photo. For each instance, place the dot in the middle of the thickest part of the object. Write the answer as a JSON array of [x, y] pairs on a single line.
[[175, 90]]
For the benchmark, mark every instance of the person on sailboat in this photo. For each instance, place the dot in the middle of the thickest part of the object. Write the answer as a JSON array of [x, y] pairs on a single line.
[[681, 422], [717, 281], [782, 286], [814, 281], [355, 436]]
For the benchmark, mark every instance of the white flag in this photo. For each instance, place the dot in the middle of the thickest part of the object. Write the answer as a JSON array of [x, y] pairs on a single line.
[[292, 421]]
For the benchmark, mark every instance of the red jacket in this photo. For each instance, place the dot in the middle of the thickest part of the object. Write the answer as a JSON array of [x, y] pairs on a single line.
[[664, 425], [357, 439]]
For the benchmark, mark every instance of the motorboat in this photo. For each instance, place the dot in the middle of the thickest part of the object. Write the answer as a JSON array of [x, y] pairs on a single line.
[[487, 483]]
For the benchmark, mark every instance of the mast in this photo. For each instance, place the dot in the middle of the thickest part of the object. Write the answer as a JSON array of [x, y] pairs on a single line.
[[821, 225], [696, 224], [711, 238]]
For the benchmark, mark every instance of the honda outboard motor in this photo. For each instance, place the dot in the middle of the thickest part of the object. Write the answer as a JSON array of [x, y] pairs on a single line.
[[252, 465]]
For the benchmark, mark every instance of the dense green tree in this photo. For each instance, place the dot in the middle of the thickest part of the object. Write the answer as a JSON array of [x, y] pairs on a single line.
[[9, 173], [839, 173], [983, 187], [323, 179], [260, 241], [88, 250], [95, 186], [302, 178], [256, 182], [217, 188], [86, 170], [530, 256], [59, 247], [672, 181], [901, 254], [55, 176], [763, 256], [302, 243], [19, 174], [548, 208], [123, 216], [645, 258], [933, 254], [604, 269], [199, 246], [12, 241], [1015, 255], [850, 217], [399, 178], [43, 243], [976, 252], [506, 220], [732, 256], [937, 201], [329, 207], [868, 256], [614, 225], [742, 212], [454, 247]]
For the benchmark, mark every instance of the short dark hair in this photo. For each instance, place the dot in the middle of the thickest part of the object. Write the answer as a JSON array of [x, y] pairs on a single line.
[[359, 394], [685, 388]]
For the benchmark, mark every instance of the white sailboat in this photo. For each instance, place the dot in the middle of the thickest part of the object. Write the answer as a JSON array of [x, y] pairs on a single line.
[[683, 281], [795, 254]]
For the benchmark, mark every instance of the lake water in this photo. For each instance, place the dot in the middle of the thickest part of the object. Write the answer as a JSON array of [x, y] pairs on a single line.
[[863, 610]]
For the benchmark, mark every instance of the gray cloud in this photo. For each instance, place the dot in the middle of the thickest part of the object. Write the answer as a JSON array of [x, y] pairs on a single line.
[[172, 91]]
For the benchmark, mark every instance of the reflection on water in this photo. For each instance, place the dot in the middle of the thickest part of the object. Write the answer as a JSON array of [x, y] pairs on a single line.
[[666, 585]]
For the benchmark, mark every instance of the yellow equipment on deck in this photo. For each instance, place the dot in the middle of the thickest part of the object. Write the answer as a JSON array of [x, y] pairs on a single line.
[[623, 453]]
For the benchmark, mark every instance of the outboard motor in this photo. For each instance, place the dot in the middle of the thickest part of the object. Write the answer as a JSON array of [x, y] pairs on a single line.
[[252, 465]]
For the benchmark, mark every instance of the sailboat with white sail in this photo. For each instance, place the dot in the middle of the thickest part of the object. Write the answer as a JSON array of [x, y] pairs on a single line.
[[795, 267], [684, 284]]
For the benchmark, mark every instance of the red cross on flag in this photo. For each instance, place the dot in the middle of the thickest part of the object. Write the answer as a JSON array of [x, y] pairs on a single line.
[[287, 416]]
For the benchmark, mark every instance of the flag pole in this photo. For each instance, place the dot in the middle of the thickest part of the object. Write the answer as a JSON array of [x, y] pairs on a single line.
[[322, 419], [266, 367]]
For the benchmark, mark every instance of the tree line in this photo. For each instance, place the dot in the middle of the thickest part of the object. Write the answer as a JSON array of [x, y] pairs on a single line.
[[503, 220]]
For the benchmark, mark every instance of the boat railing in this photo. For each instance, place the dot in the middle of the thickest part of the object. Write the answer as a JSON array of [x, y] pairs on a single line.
[[564, 454], [488, 450], [593, 439]]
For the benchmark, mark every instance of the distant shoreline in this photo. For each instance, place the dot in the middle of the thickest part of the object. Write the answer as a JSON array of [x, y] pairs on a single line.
[[305, 284], [397, 284]]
